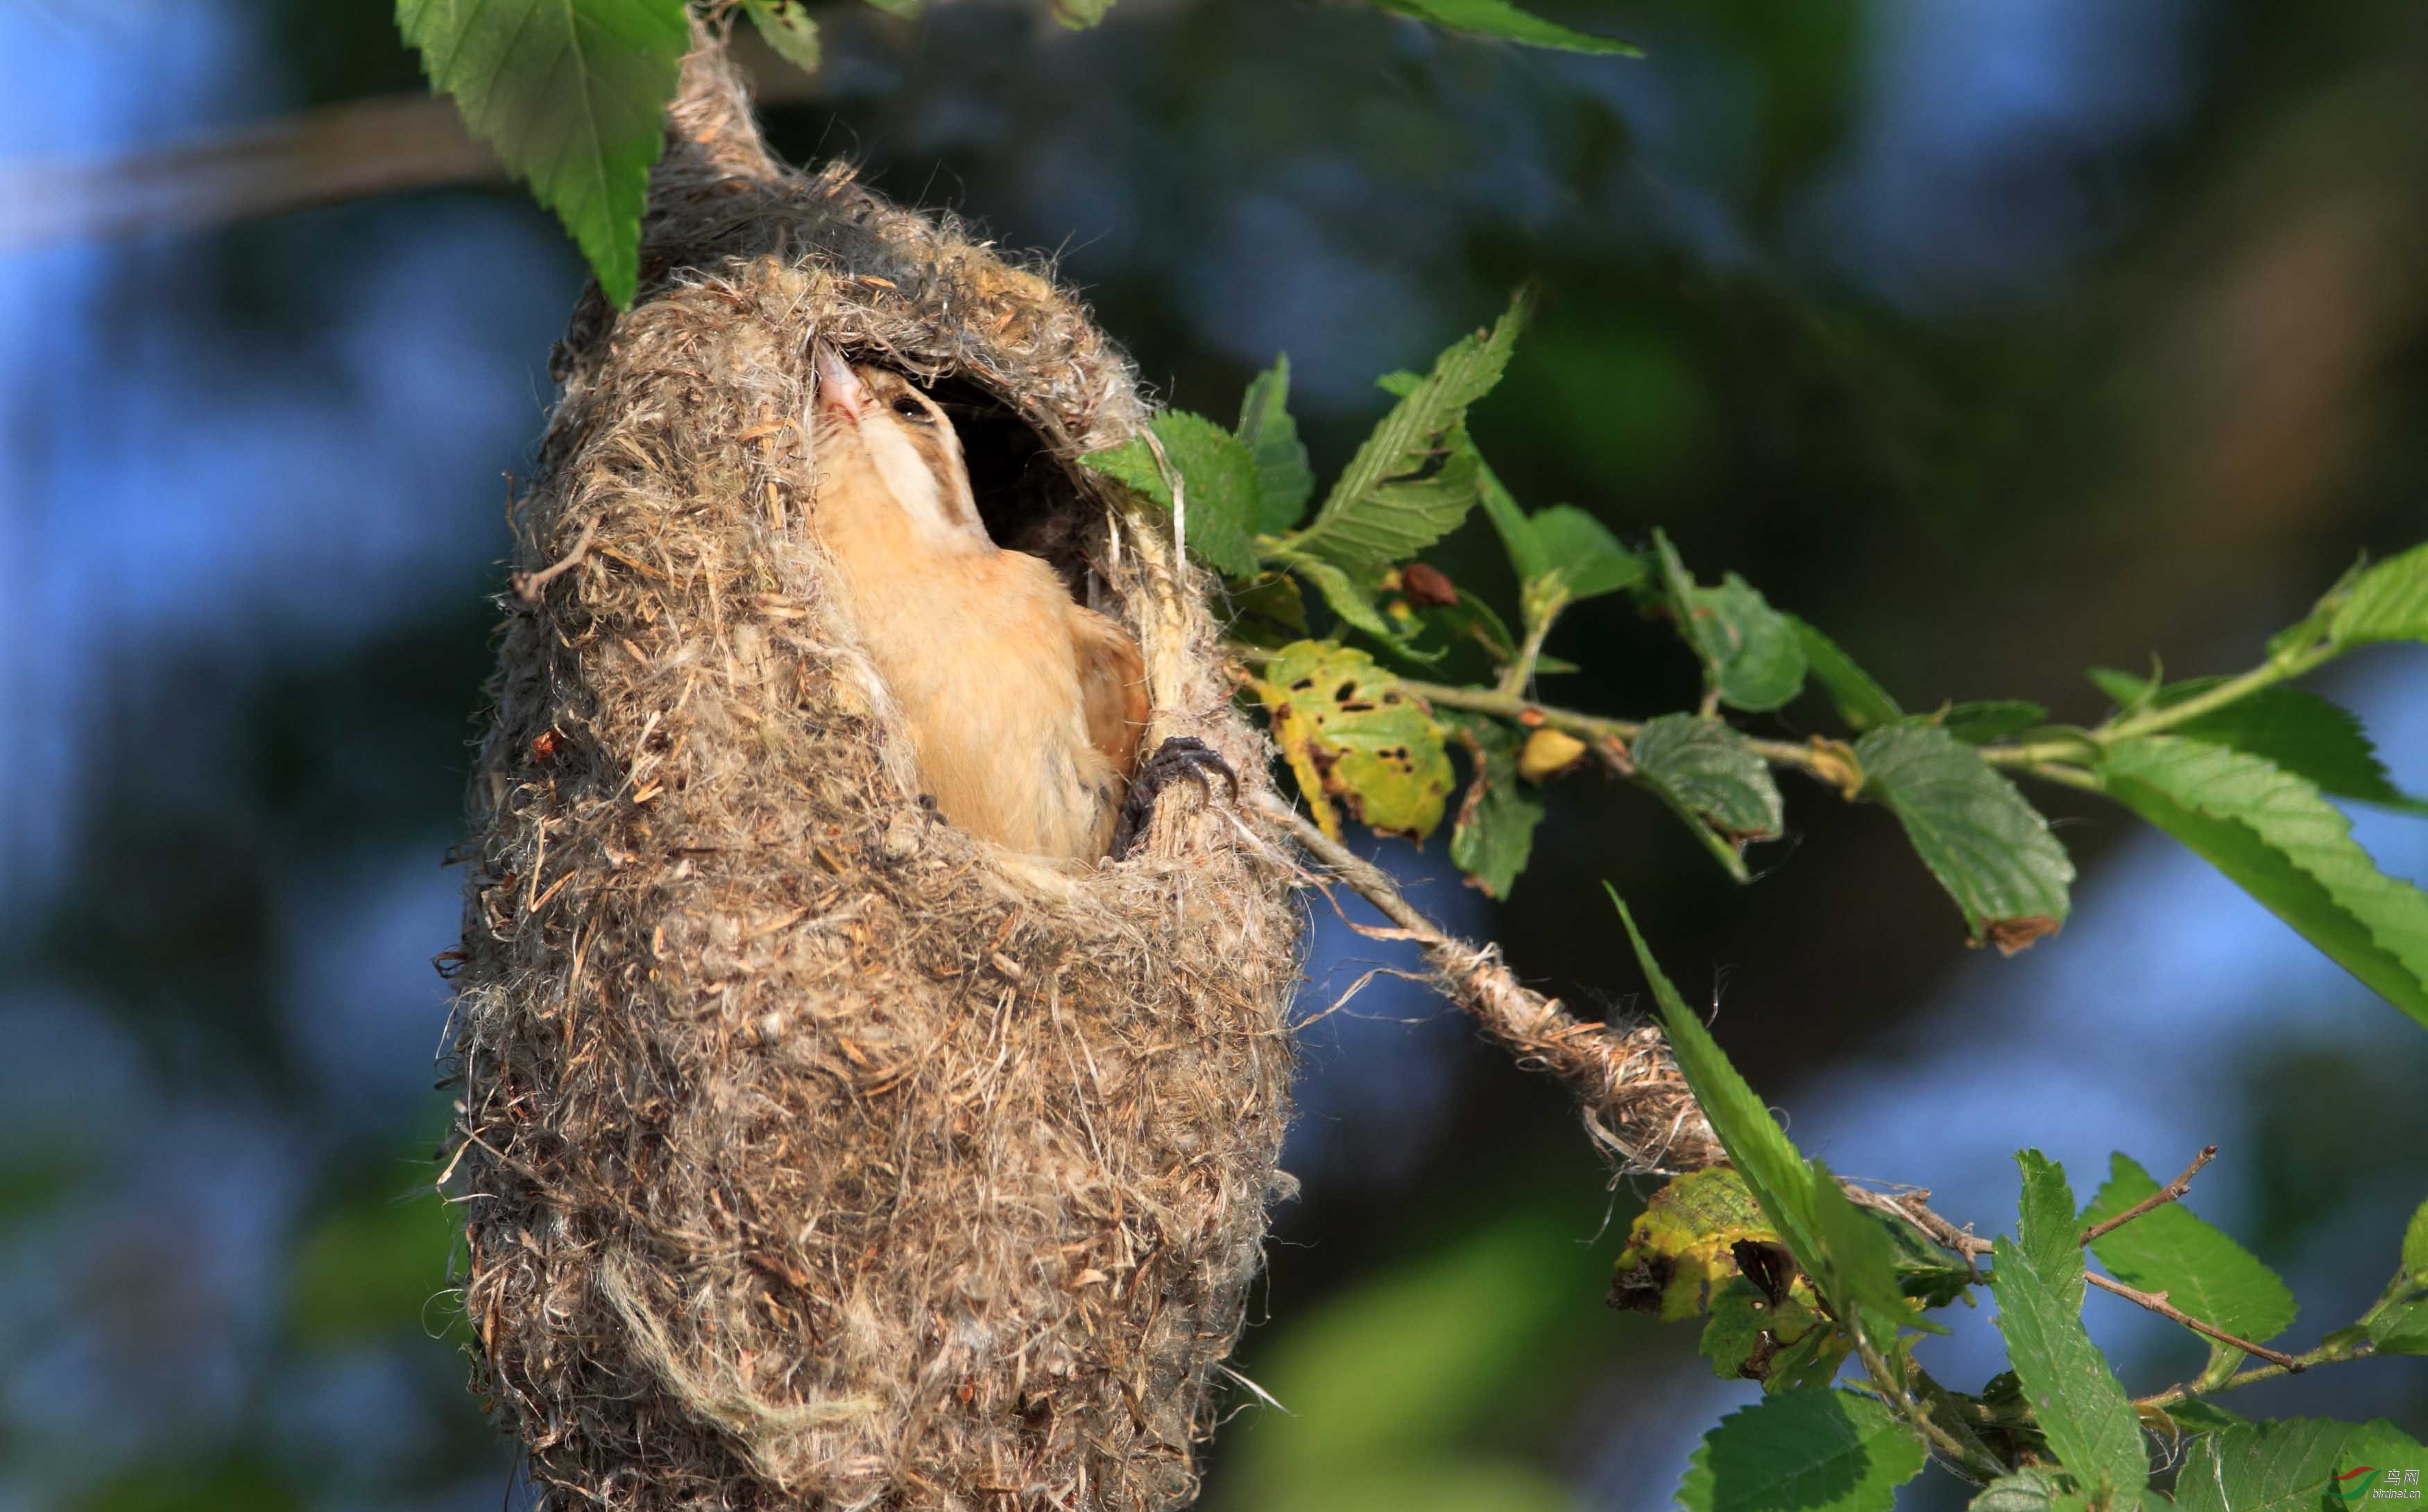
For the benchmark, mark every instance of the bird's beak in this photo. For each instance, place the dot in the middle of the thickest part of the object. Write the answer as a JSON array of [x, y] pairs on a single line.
[[839, 391]]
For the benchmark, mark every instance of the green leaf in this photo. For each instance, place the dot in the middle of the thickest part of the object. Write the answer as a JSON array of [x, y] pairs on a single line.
[[2288, 1464], [2299, 731], [1989, 848], [1803, 1452], [1217, 480], [573, 95], [1353, 601], [2048, 1233], [907, 9], [2027, 1490], [2171, 1249], [1857, 1267], [1416, 476], [1283, 479], [1582, 553], [1758, 1147], [789, 29], [2388, 601], [1861, 702], [1751, 653], [2081, 1407], [1494, 832], [1705, 772], [2285, 845], [1527, 558], [1081, 14], [1504, 21], [1353, 737], [1979, 723]]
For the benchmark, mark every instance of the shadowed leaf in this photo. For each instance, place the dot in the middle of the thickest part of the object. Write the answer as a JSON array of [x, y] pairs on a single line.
[[1989, 848], [1803, 1452]]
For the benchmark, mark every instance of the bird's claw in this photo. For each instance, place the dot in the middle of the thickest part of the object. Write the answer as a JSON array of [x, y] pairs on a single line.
[[1178, 757]]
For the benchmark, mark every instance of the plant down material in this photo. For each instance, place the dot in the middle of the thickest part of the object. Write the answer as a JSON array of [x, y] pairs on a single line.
[[812, 1153]]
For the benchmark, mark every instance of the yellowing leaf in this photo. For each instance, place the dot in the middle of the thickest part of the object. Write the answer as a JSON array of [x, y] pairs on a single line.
[[1354, 741]]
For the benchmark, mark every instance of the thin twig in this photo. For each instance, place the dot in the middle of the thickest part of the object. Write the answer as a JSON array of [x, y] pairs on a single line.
[[2173, 1191], [1635, 1102], [527, 585], [2156, 1302], [2330, 1354]]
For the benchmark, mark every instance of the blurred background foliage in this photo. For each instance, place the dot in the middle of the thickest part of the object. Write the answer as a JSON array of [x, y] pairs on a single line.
[[1996, 339]]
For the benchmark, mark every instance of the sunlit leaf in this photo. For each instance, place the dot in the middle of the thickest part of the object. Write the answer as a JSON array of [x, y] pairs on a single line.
[[1415, 477], [2171, 1249], [2300, 731], [1284, 481], [1354, 741], [1680, 1249], [2388, 601], [2080, 1406], [573, 94], [1218, 479], [1860, 700], [1706, 772], [1494, 830], [1582, 553], [1989, 848], [1803, 1452], [2285, 845], [1503, 20], [1079, 14], [2048, 1230], [2026, 1490]]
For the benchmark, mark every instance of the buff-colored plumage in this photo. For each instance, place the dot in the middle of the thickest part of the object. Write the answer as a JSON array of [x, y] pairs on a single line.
[[1024, 707]]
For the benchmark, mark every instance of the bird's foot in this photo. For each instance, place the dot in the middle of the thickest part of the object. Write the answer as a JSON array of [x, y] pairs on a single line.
[[1178, 757]]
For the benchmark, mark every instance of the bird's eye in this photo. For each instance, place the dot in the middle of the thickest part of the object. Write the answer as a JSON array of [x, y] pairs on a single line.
[[911, 410]]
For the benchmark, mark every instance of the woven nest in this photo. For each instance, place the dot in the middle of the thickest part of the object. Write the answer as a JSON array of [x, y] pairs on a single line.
[[814, 1152]]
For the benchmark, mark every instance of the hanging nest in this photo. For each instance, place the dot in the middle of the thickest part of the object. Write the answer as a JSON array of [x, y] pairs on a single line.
[[814, 1152]]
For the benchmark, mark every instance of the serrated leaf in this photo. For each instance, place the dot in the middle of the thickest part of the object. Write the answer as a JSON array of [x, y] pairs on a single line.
[[1218, 480], [2047, 1231], [1582, 553], [2280, 841], [2288, 1464], [2026, 1490], [789, 29], [1494, 830], [1751, 653], [1705, 772], [573, 95], [1344, 596], [1284, 481], [2171, 1249], [2299, 731], [1803, 1452], [1983, 721], [1352, 739], [1416, 476], [1776, 1175], [1989, 848], [2388, 601], [1860, 701], [1857, 1268], [2081, 1407], [1502, 21]]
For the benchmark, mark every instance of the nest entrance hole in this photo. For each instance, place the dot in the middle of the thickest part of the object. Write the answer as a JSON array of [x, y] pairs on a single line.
[[1027, 498]]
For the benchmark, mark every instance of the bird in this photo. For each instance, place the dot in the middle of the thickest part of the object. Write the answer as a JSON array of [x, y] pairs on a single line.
[[1026, 709]]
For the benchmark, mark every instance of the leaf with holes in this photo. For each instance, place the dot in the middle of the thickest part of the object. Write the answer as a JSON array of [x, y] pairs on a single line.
[[1494, 832], [1707, 774], [1803, 1452], [1416, 476], [1284, 481], [573, 95], [1218, 484], [2281, 841], [1989, 848], [1354, 741]]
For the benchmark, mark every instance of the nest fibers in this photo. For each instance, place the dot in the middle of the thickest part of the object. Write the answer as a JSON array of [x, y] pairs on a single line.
[[814, 1154]]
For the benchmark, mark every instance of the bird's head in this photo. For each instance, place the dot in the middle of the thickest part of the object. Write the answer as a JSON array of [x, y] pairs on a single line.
[[864, 413]]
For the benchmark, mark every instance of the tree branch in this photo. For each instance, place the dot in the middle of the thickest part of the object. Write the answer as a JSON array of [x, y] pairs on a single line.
[[2172, 1192], [2156, 1302]]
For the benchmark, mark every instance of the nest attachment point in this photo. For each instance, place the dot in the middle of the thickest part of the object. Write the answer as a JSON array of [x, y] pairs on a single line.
[[812, 1153]]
